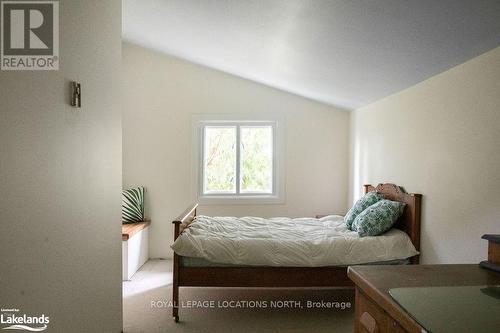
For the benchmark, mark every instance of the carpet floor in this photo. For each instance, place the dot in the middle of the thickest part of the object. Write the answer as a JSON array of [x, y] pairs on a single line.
[[147, 301]]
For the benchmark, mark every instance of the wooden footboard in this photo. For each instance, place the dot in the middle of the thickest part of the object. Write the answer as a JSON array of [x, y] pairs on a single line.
[[180, 223], [264, 277]]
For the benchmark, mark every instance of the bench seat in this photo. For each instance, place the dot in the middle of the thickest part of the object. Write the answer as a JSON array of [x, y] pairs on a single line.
[[135, 247]]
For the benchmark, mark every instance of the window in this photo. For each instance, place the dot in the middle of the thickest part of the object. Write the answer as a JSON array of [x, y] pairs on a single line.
[[238, 161]]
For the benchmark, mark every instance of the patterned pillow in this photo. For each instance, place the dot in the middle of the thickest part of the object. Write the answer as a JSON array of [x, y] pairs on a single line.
[[378, 218], [366, 201], [133, 205]]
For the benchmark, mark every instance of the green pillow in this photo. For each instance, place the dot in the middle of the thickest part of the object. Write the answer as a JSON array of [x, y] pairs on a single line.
[[366, 201], [133, 205], [378, 218]]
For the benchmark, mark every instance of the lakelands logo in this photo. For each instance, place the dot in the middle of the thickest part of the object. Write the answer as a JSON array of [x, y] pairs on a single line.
[[16, 321], [30, 35]]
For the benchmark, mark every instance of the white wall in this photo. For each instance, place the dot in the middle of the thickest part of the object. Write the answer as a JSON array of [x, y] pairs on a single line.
[[440, 138], [60, 176], [161, 93]]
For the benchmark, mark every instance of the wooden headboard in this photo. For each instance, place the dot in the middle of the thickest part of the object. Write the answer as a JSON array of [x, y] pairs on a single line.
[[409, 222]]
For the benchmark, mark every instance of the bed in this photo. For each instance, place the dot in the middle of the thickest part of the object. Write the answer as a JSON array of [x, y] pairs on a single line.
[[193, 272]]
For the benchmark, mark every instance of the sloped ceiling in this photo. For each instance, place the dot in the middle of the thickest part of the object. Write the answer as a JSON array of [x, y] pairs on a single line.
[[346, 53]]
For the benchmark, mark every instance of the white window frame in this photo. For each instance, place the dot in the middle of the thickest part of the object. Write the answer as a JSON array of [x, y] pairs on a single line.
[[278, 187]]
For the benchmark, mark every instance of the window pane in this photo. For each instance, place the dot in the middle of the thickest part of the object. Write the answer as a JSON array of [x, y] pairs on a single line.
[[219, 159], [256, 164]]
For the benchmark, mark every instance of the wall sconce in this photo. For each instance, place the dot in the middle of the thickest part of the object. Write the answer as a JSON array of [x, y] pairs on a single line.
[[76, 94]]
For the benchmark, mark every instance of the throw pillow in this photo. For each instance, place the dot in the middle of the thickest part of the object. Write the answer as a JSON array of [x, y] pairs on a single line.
[[378, 218], [366, 201], [133, 205]]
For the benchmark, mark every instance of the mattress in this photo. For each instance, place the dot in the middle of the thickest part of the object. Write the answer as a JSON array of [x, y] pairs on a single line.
[[200, 262], [281, 241]]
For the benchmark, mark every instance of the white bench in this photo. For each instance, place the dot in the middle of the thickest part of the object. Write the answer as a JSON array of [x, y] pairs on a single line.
[[135, 247]]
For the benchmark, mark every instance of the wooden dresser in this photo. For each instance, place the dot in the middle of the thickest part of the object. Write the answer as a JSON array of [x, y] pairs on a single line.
[[377, 311]]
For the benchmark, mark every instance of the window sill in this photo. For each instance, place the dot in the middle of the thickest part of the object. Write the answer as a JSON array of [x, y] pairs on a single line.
[[241, 200]]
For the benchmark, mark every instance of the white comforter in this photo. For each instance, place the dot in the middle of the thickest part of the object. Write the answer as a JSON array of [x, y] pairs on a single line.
[[288, 242]]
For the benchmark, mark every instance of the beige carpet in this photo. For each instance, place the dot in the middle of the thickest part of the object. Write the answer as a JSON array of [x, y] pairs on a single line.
[[225, 310]]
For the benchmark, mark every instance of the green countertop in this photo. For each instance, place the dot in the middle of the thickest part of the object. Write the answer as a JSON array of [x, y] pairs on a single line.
[[452, 309]]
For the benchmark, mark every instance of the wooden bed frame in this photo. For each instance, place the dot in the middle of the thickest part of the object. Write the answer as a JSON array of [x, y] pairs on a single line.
[[285, 277]]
